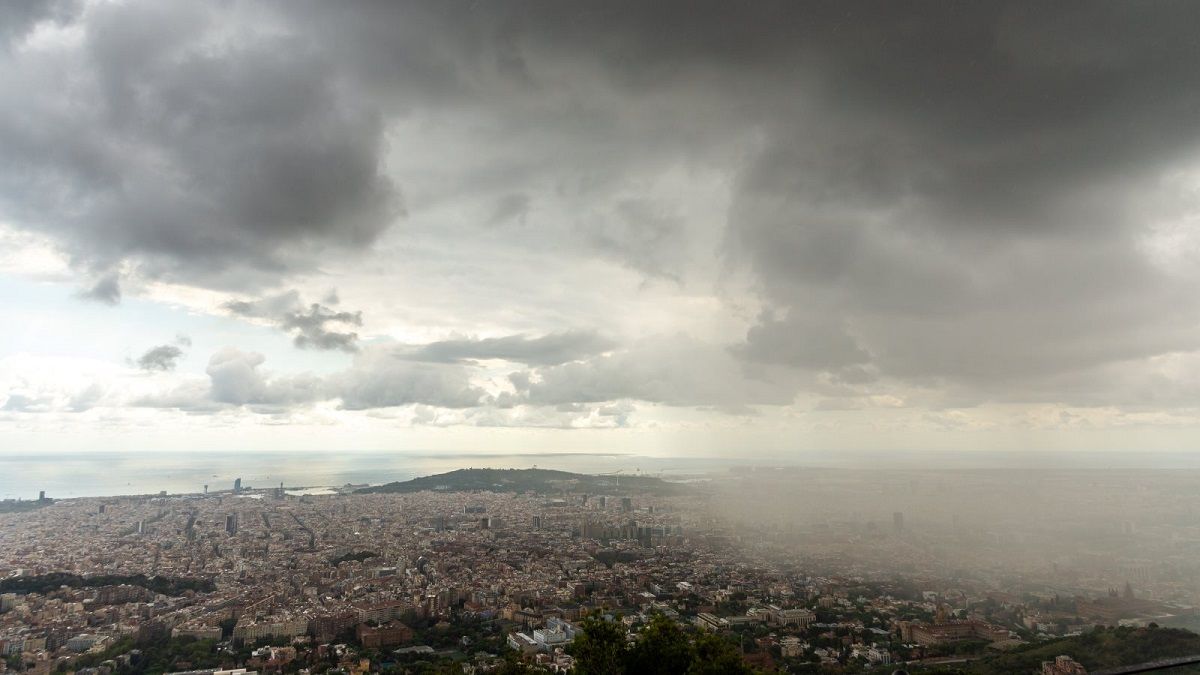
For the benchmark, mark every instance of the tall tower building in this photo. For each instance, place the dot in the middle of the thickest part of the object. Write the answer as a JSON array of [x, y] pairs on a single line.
[[237, 485], [231, 523]]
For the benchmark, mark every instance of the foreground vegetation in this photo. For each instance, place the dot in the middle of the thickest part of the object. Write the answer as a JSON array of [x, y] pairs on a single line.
[[663, 647], [1101, 648]]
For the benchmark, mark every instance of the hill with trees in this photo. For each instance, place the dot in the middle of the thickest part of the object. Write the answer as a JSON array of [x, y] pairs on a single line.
[[539, 481]]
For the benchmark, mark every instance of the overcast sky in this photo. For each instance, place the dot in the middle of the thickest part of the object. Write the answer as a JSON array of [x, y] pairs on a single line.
[[657, 227]]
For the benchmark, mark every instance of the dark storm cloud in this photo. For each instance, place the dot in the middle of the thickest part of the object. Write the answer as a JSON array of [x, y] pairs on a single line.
[[551, 349], [229, 146], [945, 191], [954, 196], [308, 324], [965, 194], [955, 191], [162, 357], [189, 141]]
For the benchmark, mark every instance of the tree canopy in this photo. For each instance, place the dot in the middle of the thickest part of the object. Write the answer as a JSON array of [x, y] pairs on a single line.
[[662, 648]]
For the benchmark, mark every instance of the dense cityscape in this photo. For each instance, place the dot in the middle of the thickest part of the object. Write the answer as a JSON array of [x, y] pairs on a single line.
[[480, 570]]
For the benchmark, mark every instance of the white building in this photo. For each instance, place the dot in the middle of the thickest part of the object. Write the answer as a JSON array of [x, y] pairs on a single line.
[[710, 622], [522, 643], [85, 641], [798, 617]]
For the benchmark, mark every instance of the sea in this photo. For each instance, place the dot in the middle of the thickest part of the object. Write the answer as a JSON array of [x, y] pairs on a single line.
[[102, 474]]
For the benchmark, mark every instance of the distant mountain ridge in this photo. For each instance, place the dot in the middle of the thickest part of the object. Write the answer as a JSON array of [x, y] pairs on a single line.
[[540, 481]]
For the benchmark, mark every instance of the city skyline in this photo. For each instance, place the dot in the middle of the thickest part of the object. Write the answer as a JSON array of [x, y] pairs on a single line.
[[657, 228], [797, 569]]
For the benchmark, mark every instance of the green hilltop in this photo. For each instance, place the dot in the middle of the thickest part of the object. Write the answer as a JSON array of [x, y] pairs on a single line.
[[540, 481]]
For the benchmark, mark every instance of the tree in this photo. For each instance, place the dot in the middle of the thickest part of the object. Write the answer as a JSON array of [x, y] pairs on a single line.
[[662, 649], [599, 648], [514, 666], [715, 656]]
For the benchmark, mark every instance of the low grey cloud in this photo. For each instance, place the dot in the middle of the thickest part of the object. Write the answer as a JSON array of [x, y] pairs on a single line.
[[86, 398], [31, 397], [314, 325], [551, 349], [107, 290], [379, 378], [511, 207], [310, 328], [639, 234], [802, 341], [237, 380], [17, 18], [382, 376], [162, 358], [376, 379], [23, 403], [671, 369]]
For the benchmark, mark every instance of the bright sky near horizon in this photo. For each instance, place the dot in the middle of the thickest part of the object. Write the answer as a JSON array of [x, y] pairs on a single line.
[[652, 227]]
